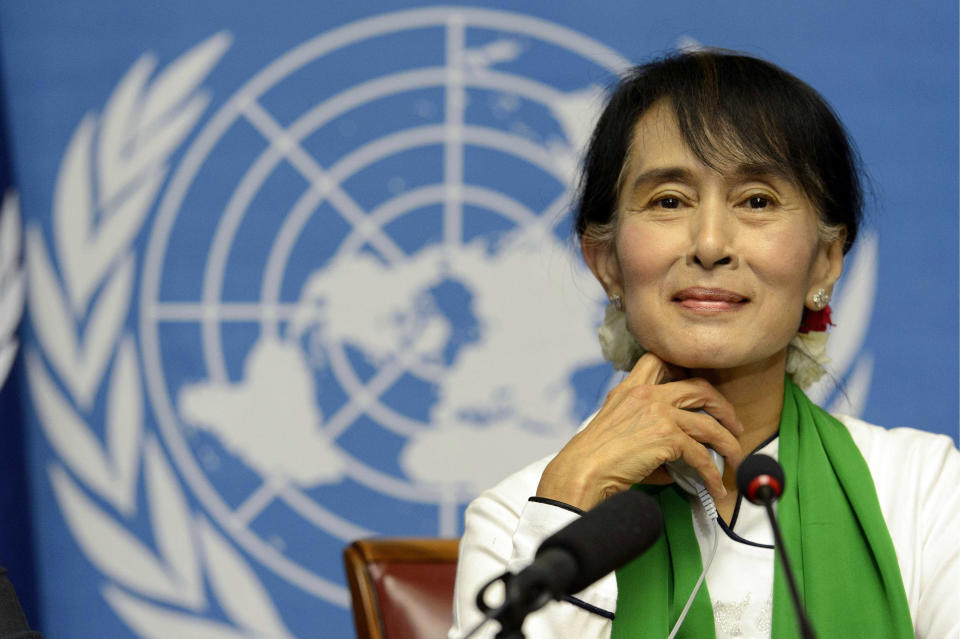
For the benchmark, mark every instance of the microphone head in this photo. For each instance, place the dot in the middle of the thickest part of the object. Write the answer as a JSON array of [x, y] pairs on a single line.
[[608, 536], [760, 478]]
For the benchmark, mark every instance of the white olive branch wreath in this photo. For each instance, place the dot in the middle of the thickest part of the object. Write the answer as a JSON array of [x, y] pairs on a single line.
[[79, 302], [12, 281]]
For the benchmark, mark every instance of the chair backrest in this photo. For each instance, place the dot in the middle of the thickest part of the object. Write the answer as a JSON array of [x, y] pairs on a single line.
[[402, 588]]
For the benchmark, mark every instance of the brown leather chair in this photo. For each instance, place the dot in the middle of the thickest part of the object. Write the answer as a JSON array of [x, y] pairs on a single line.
[[402, 588]]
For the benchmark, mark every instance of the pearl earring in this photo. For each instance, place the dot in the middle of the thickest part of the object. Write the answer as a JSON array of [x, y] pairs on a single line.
[[617, 302], [820, 299]]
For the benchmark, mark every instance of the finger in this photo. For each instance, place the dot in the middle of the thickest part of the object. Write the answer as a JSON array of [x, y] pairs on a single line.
[[696, 455], [707, 430], [651, 370], [698, 393]]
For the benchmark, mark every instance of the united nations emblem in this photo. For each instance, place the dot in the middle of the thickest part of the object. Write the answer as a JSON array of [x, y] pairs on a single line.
[[344, 335]]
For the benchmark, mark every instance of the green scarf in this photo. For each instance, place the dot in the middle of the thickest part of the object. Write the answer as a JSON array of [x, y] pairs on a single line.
[[841, 552]]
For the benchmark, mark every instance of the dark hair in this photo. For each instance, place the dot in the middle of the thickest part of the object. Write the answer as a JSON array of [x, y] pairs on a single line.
[[728, 106]]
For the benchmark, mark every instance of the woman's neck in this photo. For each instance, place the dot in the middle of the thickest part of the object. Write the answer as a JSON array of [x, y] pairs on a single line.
[[756, 392]]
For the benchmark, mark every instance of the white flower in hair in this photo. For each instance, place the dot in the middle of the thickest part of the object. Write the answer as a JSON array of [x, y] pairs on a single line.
[[617, 344], [807, 351], [806, 357]]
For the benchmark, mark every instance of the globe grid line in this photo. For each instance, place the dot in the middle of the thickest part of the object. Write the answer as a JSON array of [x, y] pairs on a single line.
[[181, 180], [316, 514], [366, 395], [409, 19], [256, 501], [223, 311], [318, 177], [323, 518], [454, 106]]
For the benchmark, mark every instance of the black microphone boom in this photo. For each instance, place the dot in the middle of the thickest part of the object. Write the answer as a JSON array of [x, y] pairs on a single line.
[[604, 539], [760, 479]]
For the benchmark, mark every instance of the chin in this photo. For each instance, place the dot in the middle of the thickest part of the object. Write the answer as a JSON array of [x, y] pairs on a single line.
[[712, 347], [694, 356], [719, 359], [691, 361]]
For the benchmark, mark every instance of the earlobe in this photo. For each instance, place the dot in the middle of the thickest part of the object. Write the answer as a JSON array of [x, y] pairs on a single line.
[[601, 257], [819, 295], [819, 299]]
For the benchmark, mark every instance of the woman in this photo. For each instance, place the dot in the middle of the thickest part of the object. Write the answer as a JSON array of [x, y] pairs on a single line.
[[718, 199]]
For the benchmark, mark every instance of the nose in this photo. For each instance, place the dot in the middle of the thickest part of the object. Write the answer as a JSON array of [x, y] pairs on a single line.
[[711, 236]]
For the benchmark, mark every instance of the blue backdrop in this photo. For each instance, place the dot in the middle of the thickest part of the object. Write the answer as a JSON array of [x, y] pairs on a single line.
[[302, 274]]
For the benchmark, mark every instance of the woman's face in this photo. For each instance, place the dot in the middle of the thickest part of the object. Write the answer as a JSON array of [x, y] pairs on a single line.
[[714, 268]]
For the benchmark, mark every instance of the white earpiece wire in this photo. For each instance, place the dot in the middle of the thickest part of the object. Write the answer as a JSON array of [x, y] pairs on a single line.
[[711, 510]]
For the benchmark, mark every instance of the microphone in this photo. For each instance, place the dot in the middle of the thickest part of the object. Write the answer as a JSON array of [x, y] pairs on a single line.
[[760, 479], [602, 540]]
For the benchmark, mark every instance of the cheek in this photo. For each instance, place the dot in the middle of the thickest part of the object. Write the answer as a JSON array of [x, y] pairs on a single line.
[[785, 260], [646, 256]]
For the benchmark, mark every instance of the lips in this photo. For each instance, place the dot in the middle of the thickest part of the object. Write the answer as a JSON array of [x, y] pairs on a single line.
[[709, 299]]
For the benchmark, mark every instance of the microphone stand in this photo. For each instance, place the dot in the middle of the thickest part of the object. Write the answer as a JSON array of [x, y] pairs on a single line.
[[765, 495], [515, 609], [512, 631], [521, 597], [508, 629]]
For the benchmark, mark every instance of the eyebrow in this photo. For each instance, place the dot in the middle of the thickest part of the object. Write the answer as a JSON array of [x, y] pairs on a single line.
[[759, 170], [666, 174]]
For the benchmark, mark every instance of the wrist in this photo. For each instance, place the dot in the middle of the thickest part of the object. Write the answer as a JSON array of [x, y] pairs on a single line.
[[572, 486]]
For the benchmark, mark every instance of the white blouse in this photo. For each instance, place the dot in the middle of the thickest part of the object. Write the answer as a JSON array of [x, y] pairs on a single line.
[[917, 477]]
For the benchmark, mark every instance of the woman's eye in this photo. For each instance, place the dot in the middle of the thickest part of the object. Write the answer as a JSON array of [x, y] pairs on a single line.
[[758, 202], [668, 203]]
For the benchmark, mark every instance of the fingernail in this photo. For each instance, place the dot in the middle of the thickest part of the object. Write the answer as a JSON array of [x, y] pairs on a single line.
[[724, 489]]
